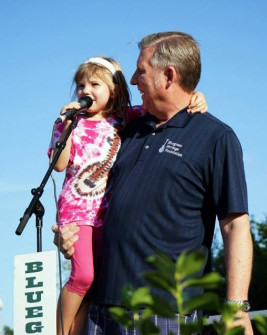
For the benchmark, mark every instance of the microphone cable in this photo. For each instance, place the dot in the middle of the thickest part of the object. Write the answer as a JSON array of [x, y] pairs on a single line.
[[52, 145]]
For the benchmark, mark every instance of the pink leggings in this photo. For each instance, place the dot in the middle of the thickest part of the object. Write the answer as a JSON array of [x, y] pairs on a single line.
[[84, 261]]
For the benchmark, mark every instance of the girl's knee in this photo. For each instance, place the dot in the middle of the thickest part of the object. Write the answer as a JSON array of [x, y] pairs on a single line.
[[82, 281]]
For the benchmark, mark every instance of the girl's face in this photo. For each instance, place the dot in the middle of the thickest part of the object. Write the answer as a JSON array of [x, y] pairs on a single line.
[[96, 89]]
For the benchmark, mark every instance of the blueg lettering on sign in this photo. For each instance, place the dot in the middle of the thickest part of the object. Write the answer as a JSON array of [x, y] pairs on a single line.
[[34, 296]]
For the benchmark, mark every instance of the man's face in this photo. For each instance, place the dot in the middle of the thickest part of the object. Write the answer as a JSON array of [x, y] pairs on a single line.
[[150, 82]]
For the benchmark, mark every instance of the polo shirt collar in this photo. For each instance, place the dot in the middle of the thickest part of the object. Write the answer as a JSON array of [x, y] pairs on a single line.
[[179, 120]]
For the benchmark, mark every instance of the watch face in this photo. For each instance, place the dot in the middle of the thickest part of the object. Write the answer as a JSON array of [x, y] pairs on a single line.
[[246, 306]]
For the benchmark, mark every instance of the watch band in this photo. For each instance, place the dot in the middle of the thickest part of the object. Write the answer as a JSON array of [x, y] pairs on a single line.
[[242, 304]]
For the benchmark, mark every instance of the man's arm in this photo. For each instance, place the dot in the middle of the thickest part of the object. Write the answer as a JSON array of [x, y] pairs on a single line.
[[235, 229], [66, 239]]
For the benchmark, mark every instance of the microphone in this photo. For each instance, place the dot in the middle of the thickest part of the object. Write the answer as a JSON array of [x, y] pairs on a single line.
[[85, 103]]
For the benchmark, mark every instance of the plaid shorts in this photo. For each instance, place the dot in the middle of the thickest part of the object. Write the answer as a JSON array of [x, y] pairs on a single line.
[[100, 322]]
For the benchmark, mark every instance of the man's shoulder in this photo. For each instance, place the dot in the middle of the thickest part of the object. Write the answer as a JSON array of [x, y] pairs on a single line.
[[209, 124], [211, 121], [208, 130]]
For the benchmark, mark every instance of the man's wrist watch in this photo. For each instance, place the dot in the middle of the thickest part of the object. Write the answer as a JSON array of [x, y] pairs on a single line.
[[242, 304]]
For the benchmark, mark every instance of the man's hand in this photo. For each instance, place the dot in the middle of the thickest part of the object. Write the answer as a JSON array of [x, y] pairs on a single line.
[[244, 321], [66, 238]]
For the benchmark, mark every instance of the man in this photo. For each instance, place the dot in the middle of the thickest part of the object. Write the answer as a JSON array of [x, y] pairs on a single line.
[[175, 172]]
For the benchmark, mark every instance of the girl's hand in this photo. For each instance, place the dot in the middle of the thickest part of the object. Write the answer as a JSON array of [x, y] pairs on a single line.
[[198, 104], [71, 105]]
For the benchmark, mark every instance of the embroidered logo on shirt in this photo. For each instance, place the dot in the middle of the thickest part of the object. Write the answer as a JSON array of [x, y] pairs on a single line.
[[162, 148], [171, 148]]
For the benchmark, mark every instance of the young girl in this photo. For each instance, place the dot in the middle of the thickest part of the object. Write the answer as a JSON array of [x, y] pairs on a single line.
[[88, 156]]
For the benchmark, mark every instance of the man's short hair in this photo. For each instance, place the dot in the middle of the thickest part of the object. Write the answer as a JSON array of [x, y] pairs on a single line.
[[177, 49]]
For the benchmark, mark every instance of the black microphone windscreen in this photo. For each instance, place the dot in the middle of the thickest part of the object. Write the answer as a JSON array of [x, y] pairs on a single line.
[[85, 102]]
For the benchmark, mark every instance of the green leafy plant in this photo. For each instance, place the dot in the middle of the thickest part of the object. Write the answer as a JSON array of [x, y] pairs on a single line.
[[175, 278], [261, 323]]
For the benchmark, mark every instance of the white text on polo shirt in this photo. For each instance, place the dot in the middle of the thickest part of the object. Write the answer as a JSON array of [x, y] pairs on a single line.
[[171, 148]]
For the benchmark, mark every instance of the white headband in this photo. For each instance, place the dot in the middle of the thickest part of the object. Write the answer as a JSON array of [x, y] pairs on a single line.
[[103, 62]]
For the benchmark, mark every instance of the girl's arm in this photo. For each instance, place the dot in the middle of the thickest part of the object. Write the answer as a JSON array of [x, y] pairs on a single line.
[[198, 103], [64, 157]]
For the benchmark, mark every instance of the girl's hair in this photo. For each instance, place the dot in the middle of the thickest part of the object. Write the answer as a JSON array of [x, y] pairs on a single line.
[[119, 91]]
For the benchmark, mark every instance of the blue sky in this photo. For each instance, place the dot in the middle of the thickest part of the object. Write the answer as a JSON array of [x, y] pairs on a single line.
[[42, 44]]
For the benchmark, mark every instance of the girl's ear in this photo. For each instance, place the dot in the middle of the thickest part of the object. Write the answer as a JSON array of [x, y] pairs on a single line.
[[116, 92]]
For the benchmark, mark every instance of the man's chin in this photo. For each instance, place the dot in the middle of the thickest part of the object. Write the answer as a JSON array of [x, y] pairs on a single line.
[[145, 109]]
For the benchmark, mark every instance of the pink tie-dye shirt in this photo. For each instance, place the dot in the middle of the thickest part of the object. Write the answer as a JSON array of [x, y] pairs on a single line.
[[94, 148]]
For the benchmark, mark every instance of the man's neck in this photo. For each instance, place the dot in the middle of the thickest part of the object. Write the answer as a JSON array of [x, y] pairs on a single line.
[[168, 117], [176, 100], [171, 110]]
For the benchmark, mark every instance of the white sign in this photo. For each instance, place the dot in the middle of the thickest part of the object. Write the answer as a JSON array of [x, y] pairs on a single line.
[[35, 293]]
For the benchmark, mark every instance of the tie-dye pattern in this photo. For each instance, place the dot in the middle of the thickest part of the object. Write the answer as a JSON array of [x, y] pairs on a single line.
[[94, 148]]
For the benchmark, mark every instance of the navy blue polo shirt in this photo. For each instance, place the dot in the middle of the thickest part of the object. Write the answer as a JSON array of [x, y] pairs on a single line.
[[168, 185]]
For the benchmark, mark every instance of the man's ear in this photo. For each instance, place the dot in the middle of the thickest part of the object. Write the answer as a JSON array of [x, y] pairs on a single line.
[[171, 76]]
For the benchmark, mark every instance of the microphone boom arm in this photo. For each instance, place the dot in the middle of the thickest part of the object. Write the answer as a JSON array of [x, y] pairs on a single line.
[[35, 206]]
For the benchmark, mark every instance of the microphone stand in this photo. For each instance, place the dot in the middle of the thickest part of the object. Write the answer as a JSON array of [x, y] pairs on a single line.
[[35, 206]]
